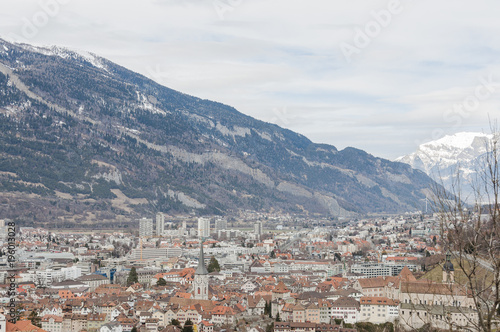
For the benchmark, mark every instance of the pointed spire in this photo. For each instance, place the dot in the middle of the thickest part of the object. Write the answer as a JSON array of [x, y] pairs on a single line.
[[201, 269]]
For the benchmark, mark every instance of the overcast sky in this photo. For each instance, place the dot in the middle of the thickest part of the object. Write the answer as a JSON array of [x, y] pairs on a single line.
[[382, 76]]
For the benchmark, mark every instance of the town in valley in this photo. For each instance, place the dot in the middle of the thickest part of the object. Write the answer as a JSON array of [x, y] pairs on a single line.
[[254, 272]]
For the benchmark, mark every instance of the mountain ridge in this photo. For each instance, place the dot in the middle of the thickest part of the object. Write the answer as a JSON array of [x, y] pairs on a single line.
[[108, 125], [441, 159]]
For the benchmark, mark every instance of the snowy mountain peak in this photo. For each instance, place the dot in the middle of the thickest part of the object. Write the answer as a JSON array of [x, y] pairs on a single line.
[[446, 153], [461, 140], [441, 158]]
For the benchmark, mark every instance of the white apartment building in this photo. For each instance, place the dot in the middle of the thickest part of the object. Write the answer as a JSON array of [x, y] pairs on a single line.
[[257, 228], [149, 253], [160, 224], [203, 227], [146, 227], [72, 272], [46, 277], [3, 229], [85, 267], [281, 268], [220, 224], [372, 270], [378, 310]]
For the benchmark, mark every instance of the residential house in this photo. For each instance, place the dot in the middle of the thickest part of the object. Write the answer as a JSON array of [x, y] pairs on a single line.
[[114, 326], [151, 325], [312, 313], [223, 315], [52, 323], [249, 286], [95, 321], [78, 323], [257, 304], [205, 326], [298, 313], [325, 311], [378, 310], [346, 308]]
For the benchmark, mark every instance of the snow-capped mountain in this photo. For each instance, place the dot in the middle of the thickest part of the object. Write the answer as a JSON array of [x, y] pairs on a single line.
[[442, 158]]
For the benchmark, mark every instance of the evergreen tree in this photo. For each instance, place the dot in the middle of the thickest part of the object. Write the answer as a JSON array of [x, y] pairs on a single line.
[[267, 308], [213, 266], [132, 277], [188, 326], [278, 319], [35, 319], [161, 282]]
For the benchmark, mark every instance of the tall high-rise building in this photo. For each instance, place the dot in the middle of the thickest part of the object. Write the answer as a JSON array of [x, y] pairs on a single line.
[[257, 228], [203, 227], [183, 229], [146, 227], [160, 224], [220, 224], [3, 229]]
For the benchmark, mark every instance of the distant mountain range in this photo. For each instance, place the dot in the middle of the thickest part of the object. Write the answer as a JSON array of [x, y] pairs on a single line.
[[443, 158], [85, 140]]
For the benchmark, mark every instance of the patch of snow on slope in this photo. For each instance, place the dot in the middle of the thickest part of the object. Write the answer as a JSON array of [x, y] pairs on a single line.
[[237, 131], [66, 53], [91, 58]]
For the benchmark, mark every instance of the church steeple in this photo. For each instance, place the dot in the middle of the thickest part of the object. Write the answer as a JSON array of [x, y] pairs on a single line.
[[201, 269], [448, 270], [200, 282]]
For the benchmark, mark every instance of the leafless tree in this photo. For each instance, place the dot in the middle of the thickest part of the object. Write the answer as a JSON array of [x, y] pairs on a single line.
[[470, 233]]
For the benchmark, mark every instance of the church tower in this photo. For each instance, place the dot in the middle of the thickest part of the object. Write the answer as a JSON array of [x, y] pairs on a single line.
[[448, 270], [200, 282]]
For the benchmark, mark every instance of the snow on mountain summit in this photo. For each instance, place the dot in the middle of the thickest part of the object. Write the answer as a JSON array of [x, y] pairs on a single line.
[[442, 158], [65, 53], [461, 140], [446, 153]]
